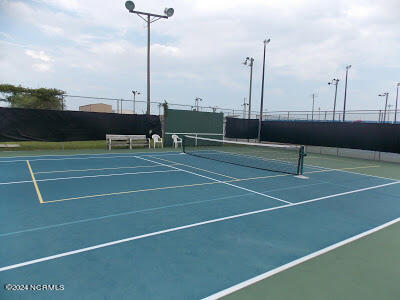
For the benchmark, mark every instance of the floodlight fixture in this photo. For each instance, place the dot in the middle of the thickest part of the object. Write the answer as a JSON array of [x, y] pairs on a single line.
[[130, 5], [169, 12]]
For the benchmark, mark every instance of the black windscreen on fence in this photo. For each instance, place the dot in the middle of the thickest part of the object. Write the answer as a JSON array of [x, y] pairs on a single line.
[[353, 135], [18, 124], [241, 128]]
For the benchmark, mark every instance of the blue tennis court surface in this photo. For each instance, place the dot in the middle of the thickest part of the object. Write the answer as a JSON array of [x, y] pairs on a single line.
[[170, 225]]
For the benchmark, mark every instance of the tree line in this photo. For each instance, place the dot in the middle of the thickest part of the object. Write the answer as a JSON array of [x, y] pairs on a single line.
[[40, 98]]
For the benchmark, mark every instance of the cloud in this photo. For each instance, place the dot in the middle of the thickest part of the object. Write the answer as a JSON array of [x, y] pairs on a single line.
[[5, 35], [200, 49], [69, 5], [113, 48], [40, 55], [51, 30], [46, 61], [41, 67], [164, 50]]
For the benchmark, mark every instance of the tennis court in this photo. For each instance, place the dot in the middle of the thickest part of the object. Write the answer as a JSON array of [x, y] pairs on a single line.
[[169, 225]]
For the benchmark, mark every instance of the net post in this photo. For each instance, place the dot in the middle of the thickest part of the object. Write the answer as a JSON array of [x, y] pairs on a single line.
[[183, 143], [301, 160]]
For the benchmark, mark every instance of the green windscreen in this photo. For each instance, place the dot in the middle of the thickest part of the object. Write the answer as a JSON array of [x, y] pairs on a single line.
[[204, 124]]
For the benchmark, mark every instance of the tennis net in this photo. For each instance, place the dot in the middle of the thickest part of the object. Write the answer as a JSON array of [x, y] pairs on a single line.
[[272, 157]]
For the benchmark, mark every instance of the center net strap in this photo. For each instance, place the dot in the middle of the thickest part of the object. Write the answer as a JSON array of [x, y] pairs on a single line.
[[272, 157]]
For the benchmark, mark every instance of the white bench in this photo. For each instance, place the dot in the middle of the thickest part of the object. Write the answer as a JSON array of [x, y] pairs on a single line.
[[126, 140], [9, 145]]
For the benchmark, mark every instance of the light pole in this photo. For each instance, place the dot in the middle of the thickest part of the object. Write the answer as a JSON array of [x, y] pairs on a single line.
[[313, 102], [335, 83], [386, 94], [134, 100], [345, 93], [251, 62], [150, 18], [196, 102], [397, 98], [262, 92], [388, 111], [244, 108]]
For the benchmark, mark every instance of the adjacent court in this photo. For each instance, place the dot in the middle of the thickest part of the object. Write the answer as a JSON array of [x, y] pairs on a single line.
[[170, 225]]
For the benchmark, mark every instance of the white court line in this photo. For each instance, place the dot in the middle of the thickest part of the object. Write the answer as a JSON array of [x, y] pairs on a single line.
[[216, 180], [101, 169], [47, 258], [91, 157], [89, 176], [204, 170], [15, 182], [83, 154], [70, 158], [296, 262], [345, 171], [106, 175]]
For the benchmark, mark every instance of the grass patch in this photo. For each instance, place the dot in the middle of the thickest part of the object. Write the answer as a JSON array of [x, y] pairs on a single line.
[[35, 145], [62, 148]]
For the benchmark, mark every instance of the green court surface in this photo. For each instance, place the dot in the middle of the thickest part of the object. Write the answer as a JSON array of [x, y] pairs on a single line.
[[363, 269], [167, 225]]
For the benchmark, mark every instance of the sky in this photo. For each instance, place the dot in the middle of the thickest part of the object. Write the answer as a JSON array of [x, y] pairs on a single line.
[[97, 48]]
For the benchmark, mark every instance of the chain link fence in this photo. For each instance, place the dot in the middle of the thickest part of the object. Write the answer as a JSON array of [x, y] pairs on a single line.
[[380, 116], [133, 106]]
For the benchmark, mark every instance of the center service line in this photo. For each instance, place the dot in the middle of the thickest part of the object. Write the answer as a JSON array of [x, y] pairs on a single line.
[[216, 180]]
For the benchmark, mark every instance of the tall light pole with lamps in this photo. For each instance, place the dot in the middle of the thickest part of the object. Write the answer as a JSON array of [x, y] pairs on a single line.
[[134, 100], [313, 103], [335, 83], [150, 18], [244, 108], [345, 93], [250, 61], [386, 94], [196, 102], [388, 112], [397, 99], [262, 92]]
